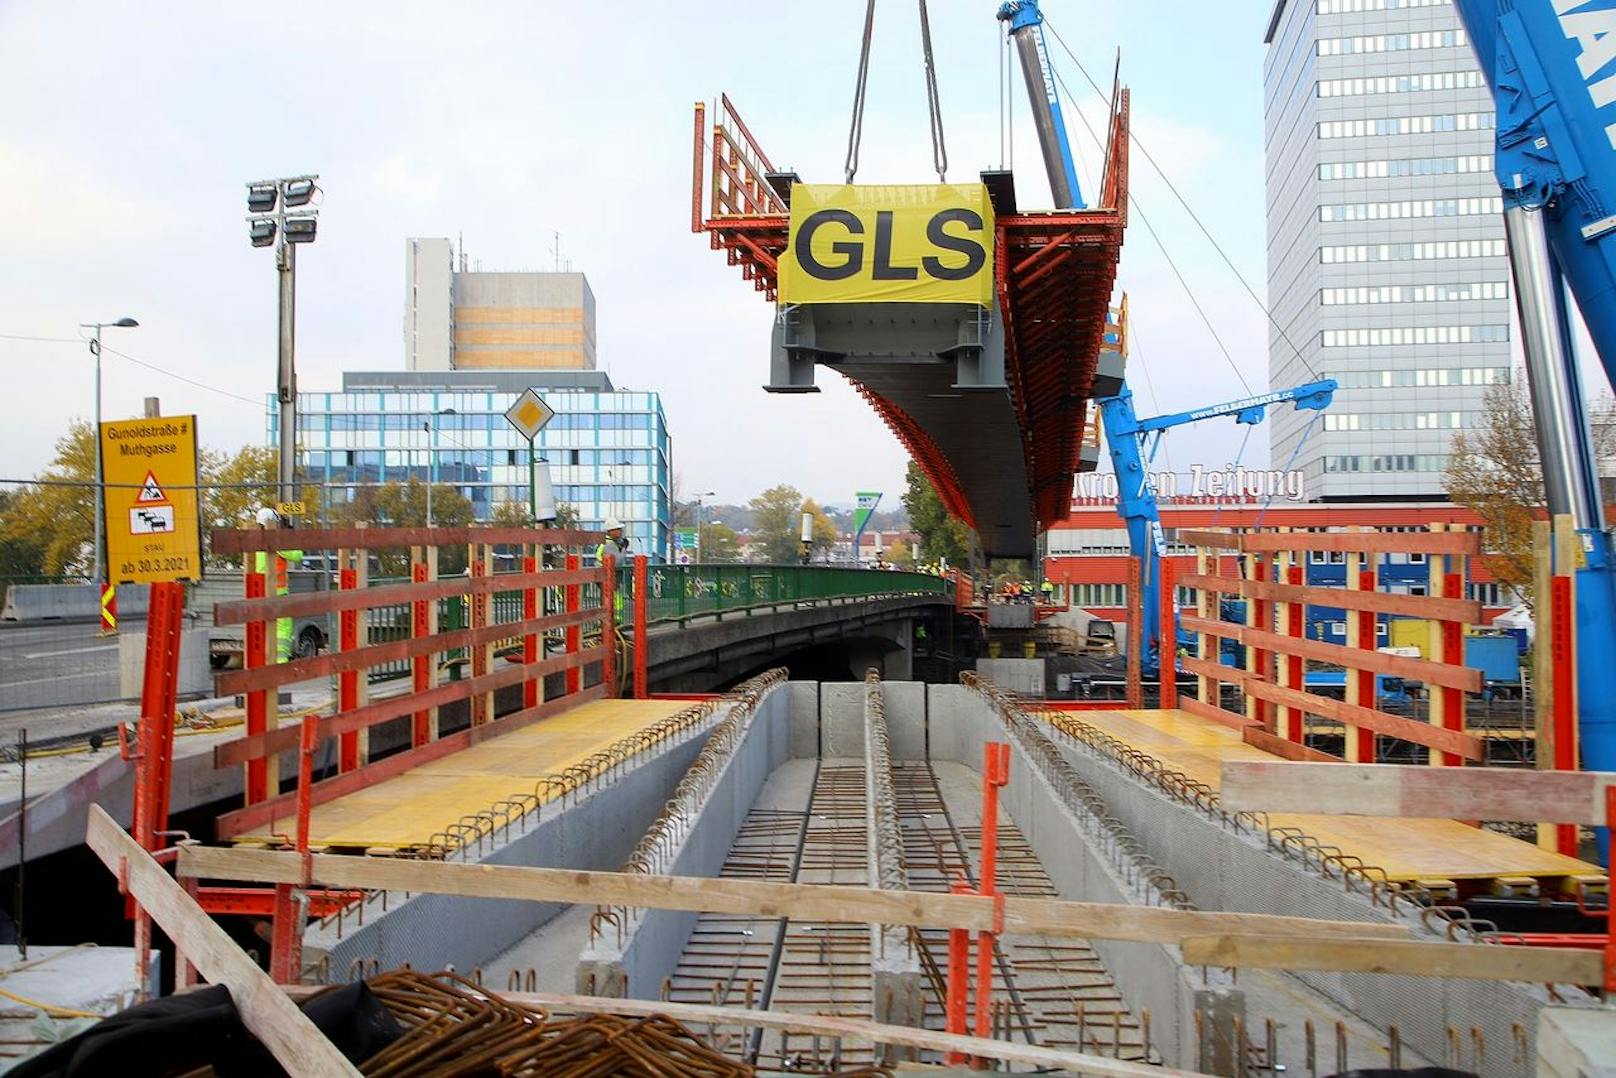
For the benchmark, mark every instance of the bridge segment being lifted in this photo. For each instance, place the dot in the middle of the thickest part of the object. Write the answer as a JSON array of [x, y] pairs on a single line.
[[988, 393]]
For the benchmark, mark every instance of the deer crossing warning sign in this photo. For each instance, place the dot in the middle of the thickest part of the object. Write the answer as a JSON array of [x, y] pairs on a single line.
[[153, 528], [889, 243]]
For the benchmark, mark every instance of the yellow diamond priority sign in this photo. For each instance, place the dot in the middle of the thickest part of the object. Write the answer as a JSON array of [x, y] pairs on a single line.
[[529, 414]]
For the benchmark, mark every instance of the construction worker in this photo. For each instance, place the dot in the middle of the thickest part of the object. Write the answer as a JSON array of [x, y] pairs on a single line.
[[276, 568], [614, 536], [1048, 589]]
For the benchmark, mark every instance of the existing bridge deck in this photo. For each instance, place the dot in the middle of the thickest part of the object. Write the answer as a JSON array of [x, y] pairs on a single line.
[[407, 811], [1407, 849]]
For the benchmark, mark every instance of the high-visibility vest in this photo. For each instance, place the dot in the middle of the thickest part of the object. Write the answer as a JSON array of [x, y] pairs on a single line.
[[284, 560]]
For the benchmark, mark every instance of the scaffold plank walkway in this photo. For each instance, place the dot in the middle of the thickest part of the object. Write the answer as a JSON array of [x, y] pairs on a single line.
[[404, 812]]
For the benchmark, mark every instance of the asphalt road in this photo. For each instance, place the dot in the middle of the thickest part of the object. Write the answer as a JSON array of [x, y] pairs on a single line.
[[55, 665]]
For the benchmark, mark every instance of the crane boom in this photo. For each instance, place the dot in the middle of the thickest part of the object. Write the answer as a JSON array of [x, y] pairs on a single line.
[[1551, 67], [1026, 28]]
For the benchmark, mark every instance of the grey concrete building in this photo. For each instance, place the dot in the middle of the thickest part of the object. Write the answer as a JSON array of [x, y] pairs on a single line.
[[1386, 264], [461, 319]]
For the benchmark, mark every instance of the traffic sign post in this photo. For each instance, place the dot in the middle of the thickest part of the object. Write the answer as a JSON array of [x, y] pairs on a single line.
[[529, 415], [153, 527]]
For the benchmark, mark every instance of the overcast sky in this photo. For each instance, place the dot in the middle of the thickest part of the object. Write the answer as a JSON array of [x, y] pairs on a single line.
[[129, 129]]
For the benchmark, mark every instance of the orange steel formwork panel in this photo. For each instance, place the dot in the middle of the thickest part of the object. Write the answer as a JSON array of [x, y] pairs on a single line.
[[1054, 273], [1408, 849]]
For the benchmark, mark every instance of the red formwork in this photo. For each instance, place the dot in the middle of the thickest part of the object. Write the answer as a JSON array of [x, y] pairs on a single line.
[[1054, 272]]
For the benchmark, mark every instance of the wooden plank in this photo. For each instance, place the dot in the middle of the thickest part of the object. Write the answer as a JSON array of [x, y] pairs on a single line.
[[336, 662], [245, 819], [1286, 749], [295, 1042], [1364, 542], [1456, 793], [1368, 718], [276, 741], [831, 1026], [1467, 611], [808, 902], [1467, 961], [327, 602], [1543, 662], [1204, 710], [1462, 678], [246, 541]]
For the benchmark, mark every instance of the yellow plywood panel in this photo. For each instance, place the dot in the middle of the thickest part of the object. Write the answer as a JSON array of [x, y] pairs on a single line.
[[520, 335], [1407, 849], [518, 316], [570, 359], [406, 811]]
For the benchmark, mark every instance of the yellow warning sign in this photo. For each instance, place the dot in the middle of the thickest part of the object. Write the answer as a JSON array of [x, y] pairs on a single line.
[[154, 531], [889, 243]]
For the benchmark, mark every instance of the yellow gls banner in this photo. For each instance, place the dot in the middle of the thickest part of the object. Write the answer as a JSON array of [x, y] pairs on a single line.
[[889, 243]]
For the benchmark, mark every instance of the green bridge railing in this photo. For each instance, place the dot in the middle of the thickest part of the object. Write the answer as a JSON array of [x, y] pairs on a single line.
[[677, 593]]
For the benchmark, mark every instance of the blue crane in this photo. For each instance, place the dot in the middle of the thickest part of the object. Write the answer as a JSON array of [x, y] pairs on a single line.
[[1551, 66], [1133, 443]]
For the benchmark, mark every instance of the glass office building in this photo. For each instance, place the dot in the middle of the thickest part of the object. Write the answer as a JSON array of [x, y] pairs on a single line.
[[608, 449]]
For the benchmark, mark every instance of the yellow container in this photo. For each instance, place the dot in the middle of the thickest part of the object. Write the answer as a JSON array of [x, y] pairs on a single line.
[[1029, 650], [993, 649], [1410, 633]]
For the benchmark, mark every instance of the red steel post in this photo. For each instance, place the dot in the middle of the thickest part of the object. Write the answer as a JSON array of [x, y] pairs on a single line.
[[530, 642], [1453, 701], [608, 626], [421, 665], [1295, 629], [575, 633], [1167, 645], [348, 680], [959, 974], [1561, 644], [1366, 678], [255, 656], [641, 660], [1262, 618], [1136, 634], [995, 773]]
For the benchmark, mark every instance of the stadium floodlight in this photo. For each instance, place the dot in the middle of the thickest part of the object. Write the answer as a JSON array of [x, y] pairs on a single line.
[[300, 229], [297, 192], [261, 231], [261, 197]]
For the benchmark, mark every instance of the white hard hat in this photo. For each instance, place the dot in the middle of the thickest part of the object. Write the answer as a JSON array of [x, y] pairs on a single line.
[[267, 516], [613, 524]]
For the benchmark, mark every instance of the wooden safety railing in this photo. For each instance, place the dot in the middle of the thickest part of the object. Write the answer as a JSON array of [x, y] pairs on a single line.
[[1272, 676], [557, 618]]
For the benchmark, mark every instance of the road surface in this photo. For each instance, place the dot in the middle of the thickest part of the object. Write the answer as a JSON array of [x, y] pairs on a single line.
[[53, 665]]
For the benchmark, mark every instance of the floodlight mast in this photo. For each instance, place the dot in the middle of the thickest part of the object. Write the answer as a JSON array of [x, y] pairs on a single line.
[[269, 222]]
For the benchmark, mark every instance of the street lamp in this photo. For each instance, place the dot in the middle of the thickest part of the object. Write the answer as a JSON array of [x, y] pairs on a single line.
[[431, 427], [268, 203], [699, 496], [100, 475]]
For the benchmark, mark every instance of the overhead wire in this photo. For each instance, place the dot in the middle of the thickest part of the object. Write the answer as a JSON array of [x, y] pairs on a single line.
[[1182, 201], [1133, 200]]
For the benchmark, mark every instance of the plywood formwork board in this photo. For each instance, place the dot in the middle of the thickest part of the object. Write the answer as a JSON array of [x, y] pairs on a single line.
[[1363, 542], [1407, 849], [1467, 961]]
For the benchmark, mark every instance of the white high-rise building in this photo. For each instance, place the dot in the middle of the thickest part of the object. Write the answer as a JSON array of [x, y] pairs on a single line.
[[1386, 263]]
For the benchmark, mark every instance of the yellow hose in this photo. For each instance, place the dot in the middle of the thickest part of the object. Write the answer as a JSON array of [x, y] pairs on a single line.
[[50, 1009]]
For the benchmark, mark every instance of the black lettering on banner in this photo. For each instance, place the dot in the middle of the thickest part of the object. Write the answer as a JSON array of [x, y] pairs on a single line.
[[884, 270], [852, 252], [975, 254]]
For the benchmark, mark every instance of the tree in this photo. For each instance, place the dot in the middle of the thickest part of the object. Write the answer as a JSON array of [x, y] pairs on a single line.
[[941, 536], [777, 524], [719, 543], [825, 533], [900, 555], [1496, 472], [59, 520], [403, 505], [516, 515]]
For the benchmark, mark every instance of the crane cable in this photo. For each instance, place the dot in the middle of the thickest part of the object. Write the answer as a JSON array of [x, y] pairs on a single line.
[[939, 152], [934, 108], [856, 132]]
